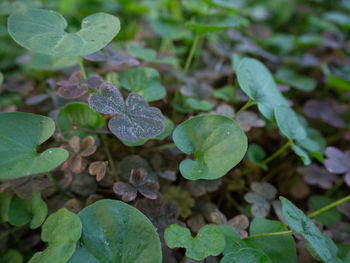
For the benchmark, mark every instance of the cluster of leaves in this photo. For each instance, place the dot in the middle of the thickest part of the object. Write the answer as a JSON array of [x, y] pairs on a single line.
[[151, 108]]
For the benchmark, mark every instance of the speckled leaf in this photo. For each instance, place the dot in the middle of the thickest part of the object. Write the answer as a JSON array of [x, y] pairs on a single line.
[[217, 142], [20, 134], [208, 242], [289, 124], [257, 82], [116, 232], [320, 245], [42, 31], [143, 81]]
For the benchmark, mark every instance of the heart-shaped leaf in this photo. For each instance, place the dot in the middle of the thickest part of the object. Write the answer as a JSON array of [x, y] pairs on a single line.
[[42, 31], [257, 82], [246, 255], [116, 232], [61, 231], [20, 134], [135, 121], [320, 245], [22, 211], [289, 124], [217, 142], [76, 119], [143, 81], [208, 242]]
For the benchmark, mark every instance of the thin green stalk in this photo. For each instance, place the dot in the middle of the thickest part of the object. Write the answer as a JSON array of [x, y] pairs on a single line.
[[183, 259], [249, 103], [276, 153], [109, 156], [187, 65], [53, 181], [165, 146], [82, 69], [327, 207], [289, 232]]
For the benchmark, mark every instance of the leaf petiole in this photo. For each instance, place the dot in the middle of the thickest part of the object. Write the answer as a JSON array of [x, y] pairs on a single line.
[[277, 153], [82, 68], [270, 234], [324, 209], [249, 103]]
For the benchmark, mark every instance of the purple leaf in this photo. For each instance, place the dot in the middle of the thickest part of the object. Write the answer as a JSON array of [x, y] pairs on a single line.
[[137, 177], [127, 191], [317, 175], [337, 162], [149, 189], [109, 102]]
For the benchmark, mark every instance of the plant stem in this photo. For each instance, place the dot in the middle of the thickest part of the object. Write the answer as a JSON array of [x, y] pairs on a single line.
[[276, 153], [249, 103], [10, 231], [289, 232], [109, 156], [183, 259], [324, 209], [53, 181], [165, 146], [187, 65], [82, 69]]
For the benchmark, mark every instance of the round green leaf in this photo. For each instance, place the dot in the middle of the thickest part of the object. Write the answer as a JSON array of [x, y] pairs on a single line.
[[257, 82], [246, 255], [217, 142], [208, 242], [320, 245], [42, 31], [75, 119], [300, 82], [11, 256], [20, 134], [289, 124], [32, 209], [116, 232], [143, 81]]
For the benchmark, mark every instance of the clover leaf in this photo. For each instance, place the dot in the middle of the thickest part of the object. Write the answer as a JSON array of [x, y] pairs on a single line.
[[20, 135], [143, 81], [135, 121], [149, 55], [320, 245], [61, 231], [42, 31], [116, 232], [77, 119], [217, 142], [208, 242], [257, 82]]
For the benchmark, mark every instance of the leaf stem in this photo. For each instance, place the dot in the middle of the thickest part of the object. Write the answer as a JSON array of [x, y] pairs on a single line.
[[276, 153], [55, 184], [82, 68], [324, 209], [289, 232], [109, 156], [187, 65], [249, 103], [165, 146]]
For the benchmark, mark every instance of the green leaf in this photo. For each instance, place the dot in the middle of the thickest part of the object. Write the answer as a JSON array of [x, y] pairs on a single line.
[[300, 82], [10, 6], [61, 231], [247, 255], [42, 31], [11, 256], [22, 211], [1, 78], [170, 29], [198, 105], [150, 55], [256, 154], [75, 119], [143, 81], [116, 232], [257, 82], [212, 23], [46, 62], [320, 245], [208, 242], [328, 217], [217, 142], [289, 124], [20, 135], [5, 201], [232, 238], [279, 248]]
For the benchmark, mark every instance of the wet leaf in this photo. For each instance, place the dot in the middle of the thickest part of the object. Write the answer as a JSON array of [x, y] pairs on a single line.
[[135, 121], [210, 138], [20, 134], [28, 29]]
